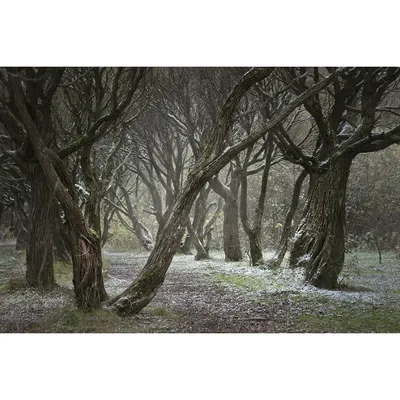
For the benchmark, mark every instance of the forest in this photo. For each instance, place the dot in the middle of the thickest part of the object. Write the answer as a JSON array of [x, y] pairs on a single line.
[[199, 199]]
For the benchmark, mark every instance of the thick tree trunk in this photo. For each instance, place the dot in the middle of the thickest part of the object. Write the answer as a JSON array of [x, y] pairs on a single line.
[[85, 242], [256, 255], [232, 247], [319, 241], [87, 270], [39, 252], [276, 261]]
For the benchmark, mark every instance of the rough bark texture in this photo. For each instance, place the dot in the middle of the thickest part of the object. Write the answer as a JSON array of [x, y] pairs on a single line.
[[39, 251], [85, 242], [319, 240], [276, 261], [87, 270]]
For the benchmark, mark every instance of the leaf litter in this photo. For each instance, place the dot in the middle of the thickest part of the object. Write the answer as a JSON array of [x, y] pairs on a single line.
[[208, 296]]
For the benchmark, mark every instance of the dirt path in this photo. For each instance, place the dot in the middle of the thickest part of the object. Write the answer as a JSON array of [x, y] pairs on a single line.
[[212, 296]]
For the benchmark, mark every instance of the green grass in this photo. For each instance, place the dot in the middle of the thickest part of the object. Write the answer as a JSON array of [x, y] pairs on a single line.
[[246, 282], [349, 320], [73, 321], [70, 320], [12, 285]]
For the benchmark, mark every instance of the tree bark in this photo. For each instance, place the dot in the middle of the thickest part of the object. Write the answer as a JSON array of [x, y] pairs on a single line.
[[232, 249], [319, 241], [39, 251], [276, 261], [231, 238], [85, 243]]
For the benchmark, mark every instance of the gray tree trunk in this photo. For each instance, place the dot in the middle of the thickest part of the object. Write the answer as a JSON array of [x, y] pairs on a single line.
[[319, 241]]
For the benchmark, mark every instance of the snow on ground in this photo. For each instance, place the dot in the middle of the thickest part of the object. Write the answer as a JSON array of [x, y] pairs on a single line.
[[207, 296]]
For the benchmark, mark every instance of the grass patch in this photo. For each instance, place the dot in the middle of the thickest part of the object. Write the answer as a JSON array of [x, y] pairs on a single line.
[[246, 282], [12, 285], [75, 321], [353, 320]]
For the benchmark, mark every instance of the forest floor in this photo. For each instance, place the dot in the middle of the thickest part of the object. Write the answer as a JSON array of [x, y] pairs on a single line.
[[211, 296]]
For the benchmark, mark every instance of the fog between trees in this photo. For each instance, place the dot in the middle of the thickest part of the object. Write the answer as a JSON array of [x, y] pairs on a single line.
[[167, 160]]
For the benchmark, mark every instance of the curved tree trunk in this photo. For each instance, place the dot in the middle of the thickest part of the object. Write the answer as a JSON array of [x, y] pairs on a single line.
[[144, 288], [39, 251], [319, 240], [276, 261]]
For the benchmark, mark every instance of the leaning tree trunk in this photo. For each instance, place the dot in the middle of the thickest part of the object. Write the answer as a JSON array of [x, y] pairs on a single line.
[[277, 259], [39, 251], [85, 242], [144, 288], [319, 240]]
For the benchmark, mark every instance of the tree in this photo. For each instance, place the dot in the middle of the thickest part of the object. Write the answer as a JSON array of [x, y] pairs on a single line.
[[346, 116], [213, 158], [29, 92], [25, 118]]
